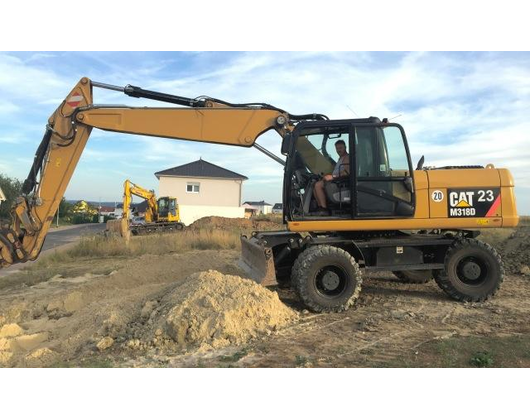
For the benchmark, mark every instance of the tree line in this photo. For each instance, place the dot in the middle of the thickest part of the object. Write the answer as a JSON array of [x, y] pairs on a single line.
[[80, 212]]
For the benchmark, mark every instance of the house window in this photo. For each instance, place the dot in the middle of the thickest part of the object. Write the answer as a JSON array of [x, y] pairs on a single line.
[[193, 187]]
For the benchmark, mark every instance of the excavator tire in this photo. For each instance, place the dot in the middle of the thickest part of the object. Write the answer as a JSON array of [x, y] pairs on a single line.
[[326, 279], [473, 271]]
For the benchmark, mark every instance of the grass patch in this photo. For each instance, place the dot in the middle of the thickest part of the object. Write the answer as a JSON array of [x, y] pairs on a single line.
[[238, 355], [99, 246], [482, 359], [459, 352], [301, 361]]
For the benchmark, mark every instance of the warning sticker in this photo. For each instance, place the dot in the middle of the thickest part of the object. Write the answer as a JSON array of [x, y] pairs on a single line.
[[473, 202], [75, 99]]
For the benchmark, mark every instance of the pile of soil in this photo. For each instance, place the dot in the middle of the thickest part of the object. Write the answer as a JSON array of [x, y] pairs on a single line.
[[237, 224], [62, 318], [212, 310], [516, 251]]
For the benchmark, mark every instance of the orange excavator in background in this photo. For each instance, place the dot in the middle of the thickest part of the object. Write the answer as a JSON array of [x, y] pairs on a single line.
[[383, 214]]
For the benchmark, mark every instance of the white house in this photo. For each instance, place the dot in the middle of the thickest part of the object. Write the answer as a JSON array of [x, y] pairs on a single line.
[[2, 196], [261, 206], [203, 189], [277, 208]]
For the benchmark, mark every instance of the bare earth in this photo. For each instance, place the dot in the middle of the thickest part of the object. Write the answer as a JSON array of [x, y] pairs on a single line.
[[101, 319]]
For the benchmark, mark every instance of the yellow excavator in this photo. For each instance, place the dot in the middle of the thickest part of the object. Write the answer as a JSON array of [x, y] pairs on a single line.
[[381, 214], [161, 216]]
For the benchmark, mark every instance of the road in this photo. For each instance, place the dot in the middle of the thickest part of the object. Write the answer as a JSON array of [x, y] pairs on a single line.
[[58, 238]]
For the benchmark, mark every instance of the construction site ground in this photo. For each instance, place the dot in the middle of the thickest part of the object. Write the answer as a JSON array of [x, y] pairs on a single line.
[[77, 309]]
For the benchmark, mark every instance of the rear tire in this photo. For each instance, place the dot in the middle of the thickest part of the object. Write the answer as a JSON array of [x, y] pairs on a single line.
[[473, 271], [326, 279], [414, 276]]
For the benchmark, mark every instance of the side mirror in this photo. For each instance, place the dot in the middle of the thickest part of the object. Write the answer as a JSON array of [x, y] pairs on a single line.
[[420, 163], [286, 144]]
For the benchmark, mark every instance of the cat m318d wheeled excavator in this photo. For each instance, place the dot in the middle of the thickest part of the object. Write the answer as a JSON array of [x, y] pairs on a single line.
[[382, 214]]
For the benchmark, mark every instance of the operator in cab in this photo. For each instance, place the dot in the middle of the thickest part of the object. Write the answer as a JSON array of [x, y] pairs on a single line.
[[342, 168]]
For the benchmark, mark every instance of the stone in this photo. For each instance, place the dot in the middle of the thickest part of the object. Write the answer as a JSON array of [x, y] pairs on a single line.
[[105, 343], [10, 330], [29, 342]]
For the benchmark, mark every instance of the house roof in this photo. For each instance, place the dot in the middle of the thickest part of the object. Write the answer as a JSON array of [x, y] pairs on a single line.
[[106, 209], [201, 169], [140, 207], [257, 203]]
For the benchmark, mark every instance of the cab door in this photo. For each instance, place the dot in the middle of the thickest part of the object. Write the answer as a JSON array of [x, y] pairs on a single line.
[[383, 184]]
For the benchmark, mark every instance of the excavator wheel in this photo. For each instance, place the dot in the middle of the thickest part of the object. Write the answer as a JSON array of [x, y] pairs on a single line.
[[326, 279], [473, 271], [414, 277]]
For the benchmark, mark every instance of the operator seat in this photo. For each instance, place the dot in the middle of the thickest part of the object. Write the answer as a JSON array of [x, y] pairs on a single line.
[[338, 191]]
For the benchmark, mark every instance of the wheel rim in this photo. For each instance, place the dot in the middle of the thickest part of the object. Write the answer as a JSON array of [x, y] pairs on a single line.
[[472, 271], [331, 281]]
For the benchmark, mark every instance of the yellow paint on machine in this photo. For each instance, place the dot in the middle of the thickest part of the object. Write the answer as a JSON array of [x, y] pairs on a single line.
[[430, 214]]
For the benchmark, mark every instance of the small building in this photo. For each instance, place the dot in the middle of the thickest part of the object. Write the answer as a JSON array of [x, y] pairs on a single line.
[[106, 210], [118, 210], [277, 208], [203, 189], [2, 196], [261, 206], [249, 210]]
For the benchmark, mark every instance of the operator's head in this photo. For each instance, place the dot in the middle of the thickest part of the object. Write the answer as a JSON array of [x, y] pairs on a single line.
[[340, 146]]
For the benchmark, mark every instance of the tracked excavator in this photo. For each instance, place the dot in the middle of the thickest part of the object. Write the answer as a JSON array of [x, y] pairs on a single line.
[[382, 215], [161, 216]]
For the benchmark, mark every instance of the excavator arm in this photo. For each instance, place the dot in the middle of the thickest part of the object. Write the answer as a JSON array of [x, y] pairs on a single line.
[[130, 189], [205, 120]]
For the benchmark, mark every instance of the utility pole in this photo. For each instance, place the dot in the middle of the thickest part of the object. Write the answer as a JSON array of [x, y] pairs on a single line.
[[58, 215]]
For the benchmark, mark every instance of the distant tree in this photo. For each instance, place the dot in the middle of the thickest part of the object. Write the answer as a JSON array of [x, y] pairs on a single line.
[[11, 188], [66, 210], [84, 207]]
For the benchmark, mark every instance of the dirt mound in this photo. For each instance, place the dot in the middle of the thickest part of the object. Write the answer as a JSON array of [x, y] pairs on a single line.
[[237, 224], [65, 318], [211, 310], [516, 251]]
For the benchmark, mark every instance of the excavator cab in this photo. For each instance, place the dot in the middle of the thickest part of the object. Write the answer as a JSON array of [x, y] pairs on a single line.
[[168, 209], [376, 180]]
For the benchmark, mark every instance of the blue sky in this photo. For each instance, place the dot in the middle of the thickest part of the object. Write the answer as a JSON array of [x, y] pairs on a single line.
[[457, 108]]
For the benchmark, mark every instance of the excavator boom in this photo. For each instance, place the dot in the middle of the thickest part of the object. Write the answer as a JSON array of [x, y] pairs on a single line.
[[68, 130]]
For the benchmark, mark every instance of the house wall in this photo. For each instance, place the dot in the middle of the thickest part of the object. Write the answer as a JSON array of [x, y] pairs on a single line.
[[190, 213], [213, 192], [266, 209]]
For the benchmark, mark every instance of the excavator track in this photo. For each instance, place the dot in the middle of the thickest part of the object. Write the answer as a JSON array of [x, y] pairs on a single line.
[[152, 228]]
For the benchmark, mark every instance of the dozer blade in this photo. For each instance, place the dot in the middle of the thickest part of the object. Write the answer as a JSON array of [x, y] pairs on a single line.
[[257, 261]]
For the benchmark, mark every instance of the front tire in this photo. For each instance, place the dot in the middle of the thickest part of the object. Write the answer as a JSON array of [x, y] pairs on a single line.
[[326, 279], [473, 271]]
